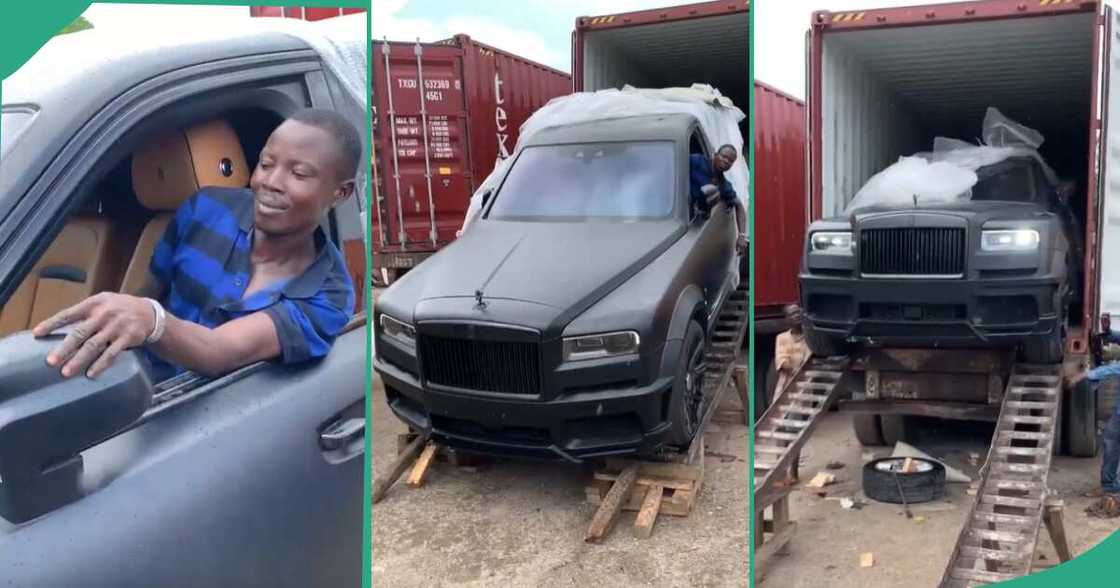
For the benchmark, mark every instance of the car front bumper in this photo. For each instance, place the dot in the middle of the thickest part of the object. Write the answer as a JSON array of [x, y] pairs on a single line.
[[571, 427], [937, 312]]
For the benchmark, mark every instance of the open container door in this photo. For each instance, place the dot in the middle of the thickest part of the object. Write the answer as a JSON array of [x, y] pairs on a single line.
[[1108, 185]]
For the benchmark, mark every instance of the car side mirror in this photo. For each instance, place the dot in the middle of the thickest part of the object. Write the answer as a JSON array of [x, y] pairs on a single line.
[[711, 194], [46, 421]]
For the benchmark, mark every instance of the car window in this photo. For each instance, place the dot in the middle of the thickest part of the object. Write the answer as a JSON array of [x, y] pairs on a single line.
[[588, 180], [12, 122], [1010, 180]]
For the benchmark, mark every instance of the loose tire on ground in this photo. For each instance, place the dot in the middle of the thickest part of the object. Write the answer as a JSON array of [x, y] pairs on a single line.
[[683, 413], [917, 486], [867, 429], [1081, 420]]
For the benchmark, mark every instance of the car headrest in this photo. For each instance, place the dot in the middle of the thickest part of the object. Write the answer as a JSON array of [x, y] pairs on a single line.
[[174, 165]]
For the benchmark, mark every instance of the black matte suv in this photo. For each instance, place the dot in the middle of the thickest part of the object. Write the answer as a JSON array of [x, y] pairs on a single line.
[[571, 320], [995, 268]]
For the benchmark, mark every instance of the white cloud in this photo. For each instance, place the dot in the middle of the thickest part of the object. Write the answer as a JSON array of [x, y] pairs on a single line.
[[779, 38], [524, 43]]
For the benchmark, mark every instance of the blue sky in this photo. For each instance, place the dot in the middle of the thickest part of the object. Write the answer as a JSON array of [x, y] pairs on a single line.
[[536, 29]]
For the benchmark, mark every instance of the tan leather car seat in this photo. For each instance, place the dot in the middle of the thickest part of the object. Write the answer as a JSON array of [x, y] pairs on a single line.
[[77, 265], [171, 168]]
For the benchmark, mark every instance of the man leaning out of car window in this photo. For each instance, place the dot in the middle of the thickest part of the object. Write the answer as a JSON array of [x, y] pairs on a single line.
[[262, 281]]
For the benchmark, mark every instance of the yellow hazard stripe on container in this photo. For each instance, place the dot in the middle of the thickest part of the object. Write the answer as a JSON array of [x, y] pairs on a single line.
[[1054, 2], [602, 20], [848, 16], [444, 171]]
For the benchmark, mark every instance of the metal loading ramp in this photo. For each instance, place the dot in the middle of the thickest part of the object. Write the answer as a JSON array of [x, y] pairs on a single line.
[[998, 540], [778, 437]]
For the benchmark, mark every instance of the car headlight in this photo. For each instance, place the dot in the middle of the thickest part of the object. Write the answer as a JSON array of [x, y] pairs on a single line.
[[831, 242], [598, 346], [1009, 240], [399, 331]]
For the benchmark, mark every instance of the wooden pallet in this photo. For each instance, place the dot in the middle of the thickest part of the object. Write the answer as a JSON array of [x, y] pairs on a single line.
[[648, 487]]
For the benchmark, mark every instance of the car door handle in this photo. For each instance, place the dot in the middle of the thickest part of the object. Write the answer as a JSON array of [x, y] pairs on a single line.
[[341, 433]]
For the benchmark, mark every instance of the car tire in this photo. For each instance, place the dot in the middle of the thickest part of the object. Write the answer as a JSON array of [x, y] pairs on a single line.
[[823, 345], [686, 397], [867, 429], [1081, 420], [895, 427], [1046, 348], [917, 487]]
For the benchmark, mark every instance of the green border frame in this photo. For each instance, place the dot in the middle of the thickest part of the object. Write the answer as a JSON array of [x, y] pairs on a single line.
[[27, 26]]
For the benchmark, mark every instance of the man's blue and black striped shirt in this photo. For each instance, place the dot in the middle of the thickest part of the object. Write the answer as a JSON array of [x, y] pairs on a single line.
[[204, 260]]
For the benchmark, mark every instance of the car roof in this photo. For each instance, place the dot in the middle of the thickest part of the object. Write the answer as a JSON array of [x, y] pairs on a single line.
[[646, 127], [77, 66]]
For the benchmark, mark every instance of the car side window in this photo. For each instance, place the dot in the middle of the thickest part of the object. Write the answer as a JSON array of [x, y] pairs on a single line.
[[696, 146]]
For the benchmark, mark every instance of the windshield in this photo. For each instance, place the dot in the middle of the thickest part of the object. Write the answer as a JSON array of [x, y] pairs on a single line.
[[12, 122], [626, 181], [1014, 180]]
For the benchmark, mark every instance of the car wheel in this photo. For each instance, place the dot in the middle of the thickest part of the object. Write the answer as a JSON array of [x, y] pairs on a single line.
[[1043, 348], [895, 427], [882, 479], [764, 385], [867, 429], [823, 345], [1081, 420], [688, 387]]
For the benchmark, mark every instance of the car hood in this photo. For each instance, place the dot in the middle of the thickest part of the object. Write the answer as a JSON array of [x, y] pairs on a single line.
[[565, 267]]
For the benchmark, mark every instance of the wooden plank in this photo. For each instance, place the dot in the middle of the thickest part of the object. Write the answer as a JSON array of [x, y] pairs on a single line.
[[650, 469], [772, 546], [608, 511], [647, 516], [420, 468], [381, 485], [1057, 529], [1029, 420], [678, 484]]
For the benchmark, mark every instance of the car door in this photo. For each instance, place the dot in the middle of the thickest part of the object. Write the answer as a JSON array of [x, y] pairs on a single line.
[[253, 479], [714, 238]]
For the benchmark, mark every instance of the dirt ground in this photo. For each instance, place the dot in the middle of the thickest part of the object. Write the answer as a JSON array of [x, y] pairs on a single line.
[[522, 523], [829, 540]]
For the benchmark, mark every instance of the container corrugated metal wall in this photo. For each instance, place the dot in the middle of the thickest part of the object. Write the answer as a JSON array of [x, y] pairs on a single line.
[[704, 42], [780, 198], [474, 100], [300, 12]]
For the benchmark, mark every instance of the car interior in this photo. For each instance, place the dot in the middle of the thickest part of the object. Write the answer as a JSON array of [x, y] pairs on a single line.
[[107, 242]]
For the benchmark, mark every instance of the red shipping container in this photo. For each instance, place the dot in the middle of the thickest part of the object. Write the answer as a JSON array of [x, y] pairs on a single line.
[[780, 198], [443, 115], [301, 13]]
